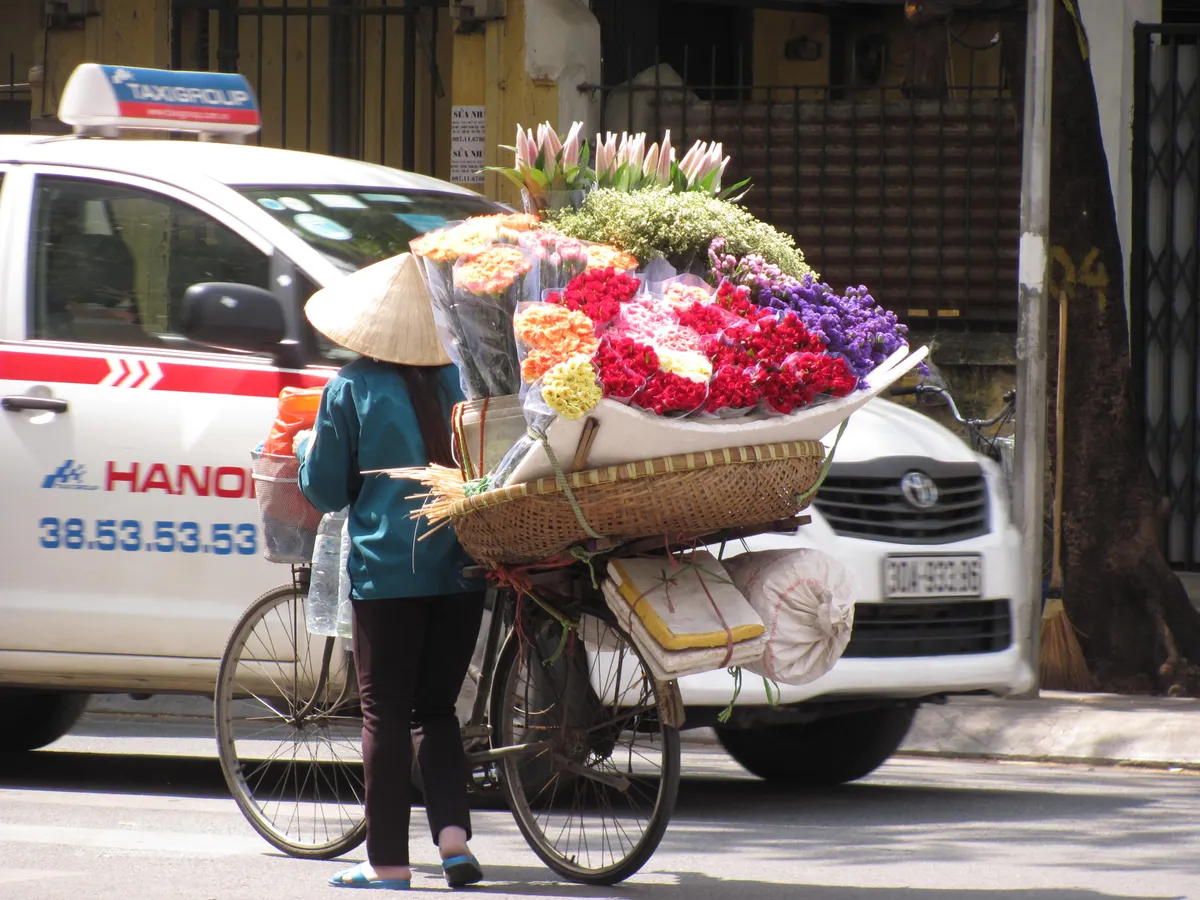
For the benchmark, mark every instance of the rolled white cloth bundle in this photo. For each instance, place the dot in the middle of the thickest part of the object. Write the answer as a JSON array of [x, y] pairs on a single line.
[[805, 599]]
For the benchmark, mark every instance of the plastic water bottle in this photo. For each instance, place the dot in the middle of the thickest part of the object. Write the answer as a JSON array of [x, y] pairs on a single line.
[[326, 577], [345, 610]]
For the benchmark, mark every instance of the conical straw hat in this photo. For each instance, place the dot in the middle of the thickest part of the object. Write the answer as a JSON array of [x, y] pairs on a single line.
[[383, 311]]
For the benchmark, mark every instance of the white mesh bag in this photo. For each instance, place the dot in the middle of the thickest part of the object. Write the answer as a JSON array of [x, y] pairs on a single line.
[[806, 601]]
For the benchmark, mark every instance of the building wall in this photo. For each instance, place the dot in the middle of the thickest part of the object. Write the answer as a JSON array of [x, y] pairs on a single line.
[[1109, 25]]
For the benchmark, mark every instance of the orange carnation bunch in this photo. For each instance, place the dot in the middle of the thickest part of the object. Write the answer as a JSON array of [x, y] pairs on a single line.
[[445, 245], [492, 271], [553, 335]]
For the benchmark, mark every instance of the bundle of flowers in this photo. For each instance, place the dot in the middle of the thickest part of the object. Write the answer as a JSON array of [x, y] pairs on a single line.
[[479, 271], [852, 325], [679, 227], [722, 356], [651, 292]]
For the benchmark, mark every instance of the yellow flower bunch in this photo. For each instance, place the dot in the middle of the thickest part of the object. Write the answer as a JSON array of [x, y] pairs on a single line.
[[553, 334], [685, 363], [570, 388]]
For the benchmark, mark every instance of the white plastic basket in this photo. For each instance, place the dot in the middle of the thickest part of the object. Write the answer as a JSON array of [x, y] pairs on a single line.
[[289, 521]]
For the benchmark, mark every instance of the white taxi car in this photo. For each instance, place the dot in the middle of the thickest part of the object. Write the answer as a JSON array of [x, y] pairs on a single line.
[[129, 542]]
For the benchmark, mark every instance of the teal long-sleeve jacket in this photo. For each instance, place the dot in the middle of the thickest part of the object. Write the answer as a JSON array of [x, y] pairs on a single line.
[[366, 421]]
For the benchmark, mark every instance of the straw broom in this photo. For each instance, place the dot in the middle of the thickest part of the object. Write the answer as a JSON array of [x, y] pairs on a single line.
[[1063, 667]]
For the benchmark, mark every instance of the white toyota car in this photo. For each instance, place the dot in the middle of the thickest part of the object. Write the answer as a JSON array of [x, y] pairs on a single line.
[[129, 541]]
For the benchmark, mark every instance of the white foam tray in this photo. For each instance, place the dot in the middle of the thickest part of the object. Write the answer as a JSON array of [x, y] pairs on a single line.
[[628, 434]]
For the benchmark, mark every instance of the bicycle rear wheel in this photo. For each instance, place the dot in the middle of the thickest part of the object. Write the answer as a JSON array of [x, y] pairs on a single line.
[[594, 801], [289, 730]]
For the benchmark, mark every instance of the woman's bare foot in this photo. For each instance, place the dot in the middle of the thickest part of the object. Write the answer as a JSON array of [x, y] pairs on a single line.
[[390, 873], [452, 841], [371, 873]]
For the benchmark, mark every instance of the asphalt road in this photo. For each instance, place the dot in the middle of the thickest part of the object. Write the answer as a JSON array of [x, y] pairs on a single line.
[[111, 814]]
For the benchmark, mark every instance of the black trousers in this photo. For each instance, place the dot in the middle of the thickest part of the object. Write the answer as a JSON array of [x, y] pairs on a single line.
[[412, 654]]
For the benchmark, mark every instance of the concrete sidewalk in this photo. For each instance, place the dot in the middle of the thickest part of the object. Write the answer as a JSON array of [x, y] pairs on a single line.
[[1096, 729], [1100, 729]]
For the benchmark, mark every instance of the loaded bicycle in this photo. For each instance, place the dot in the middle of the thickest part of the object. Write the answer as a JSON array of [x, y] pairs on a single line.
[[563, 719]]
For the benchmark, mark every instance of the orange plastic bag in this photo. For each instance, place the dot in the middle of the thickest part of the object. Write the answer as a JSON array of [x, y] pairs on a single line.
[[297, 411]]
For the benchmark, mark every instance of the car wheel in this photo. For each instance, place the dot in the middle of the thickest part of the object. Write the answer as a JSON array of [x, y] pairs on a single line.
[[38, 717], [823, 753]]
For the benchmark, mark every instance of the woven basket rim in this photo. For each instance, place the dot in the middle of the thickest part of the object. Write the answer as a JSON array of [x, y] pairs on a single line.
[[635, 471]]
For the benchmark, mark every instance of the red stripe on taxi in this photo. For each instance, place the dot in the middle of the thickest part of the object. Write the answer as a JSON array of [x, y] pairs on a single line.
[[123, 371]]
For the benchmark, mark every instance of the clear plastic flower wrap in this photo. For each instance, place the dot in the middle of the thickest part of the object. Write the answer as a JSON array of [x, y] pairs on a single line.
[[804, 380], [602, 256], [623, 365], [671, 395], [643, 317], [547, 337], [547, 334], [828, 374], [569, 389], [438, 252], [598, 293], [684, 290], [732, 393], [559, 259], [488, 286]]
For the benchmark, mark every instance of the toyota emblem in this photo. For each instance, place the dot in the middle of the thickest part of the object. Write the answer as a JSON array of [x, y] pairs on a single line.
[[919, 490]]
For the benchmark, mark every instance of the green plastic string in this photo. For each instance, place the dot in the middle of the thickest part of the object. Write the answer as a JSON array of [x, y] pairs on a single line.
[[561, 480], [736, 673], [560, 619], [774, 694], [802, 499], [586, 556]]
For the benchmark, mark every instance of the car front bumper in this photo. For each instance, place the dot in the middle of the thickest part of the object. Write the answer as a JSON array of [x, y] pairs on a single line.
[[1005, 671]]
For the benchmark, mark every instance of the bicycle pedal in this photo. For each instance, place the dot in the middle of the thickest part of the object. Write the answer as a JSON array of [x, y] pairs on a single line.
[[476, 732]]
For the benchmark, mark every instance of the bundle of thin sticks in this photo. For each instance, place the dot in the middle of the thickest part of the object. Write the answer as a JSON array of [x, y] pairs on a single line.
[[446, 487]]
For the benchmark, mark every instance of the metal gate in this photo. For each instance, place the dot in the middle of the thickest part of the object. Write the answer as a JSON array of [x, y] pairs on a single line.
[[918, 198], [355, 78], [1165, 271]]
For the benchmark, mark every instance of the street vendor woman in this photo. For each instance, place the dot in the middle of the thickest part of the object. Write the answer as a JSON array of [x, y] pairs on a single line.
[[415, 617]]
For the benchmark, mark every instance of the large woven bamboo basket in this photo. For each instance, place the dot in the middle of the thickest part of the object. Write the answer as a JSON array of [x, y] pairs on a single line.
[[690, 494]]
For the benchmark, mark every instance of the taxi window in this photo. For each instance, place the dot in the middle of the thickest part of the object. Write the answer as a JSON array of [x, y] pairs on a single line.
[[111, 262], [355, 227]]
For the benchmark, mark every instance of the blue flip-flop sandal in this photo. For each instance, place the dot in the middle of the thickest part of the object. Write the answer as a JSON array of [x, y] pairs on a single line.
[[356, 878], [462, 870]]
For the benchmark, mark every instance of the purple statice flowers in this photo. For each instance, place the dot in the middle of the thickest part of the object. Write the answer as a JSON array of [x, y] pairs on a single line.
[[852, 325]]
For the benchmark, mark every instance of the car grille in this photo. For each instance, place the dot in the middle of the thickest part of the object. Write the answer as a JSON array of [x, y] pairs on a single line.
[[870, 504], [883, 630]]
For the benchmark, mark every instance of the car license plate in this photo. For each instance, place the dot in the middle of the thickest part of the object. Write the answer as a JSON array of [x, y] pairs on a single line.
[[933, 576]]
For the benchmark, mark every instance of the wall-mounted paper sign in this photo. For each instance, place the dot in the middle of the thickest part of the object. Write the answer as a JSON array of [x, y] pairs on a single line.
[[468, 140]]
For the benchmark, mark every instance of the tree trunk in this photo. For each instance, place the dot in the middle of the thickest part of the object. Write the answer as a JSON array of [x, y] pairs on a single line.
[[1136, 624]]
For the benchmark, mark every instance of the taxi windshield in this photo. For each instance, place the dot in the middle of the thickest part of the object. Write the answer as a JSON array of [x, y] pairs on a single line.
[[355, 227]]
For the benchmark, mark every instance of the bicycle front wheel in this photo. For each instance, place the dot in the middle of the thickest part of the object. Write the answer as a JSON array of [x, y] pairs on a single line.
[[289, 730], [594, 797]]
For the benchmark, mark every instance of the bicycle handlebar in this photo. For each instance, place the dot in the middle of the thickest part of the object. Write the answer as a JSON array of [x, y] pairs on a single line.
[[920, 389]]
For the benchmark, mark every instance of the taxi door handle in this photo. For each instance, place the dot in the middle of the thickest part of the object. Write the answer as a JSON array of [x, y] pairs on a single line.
[[39, 404]]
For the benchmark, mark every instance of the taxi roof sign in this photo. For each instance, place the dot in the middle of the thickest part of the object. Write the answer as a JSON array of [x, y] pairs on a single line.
[[104, 99]]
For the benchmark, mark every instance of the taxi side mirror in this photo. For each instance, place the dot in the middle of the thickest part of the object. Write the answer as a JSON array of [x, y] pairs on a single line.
[[231, 316]]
